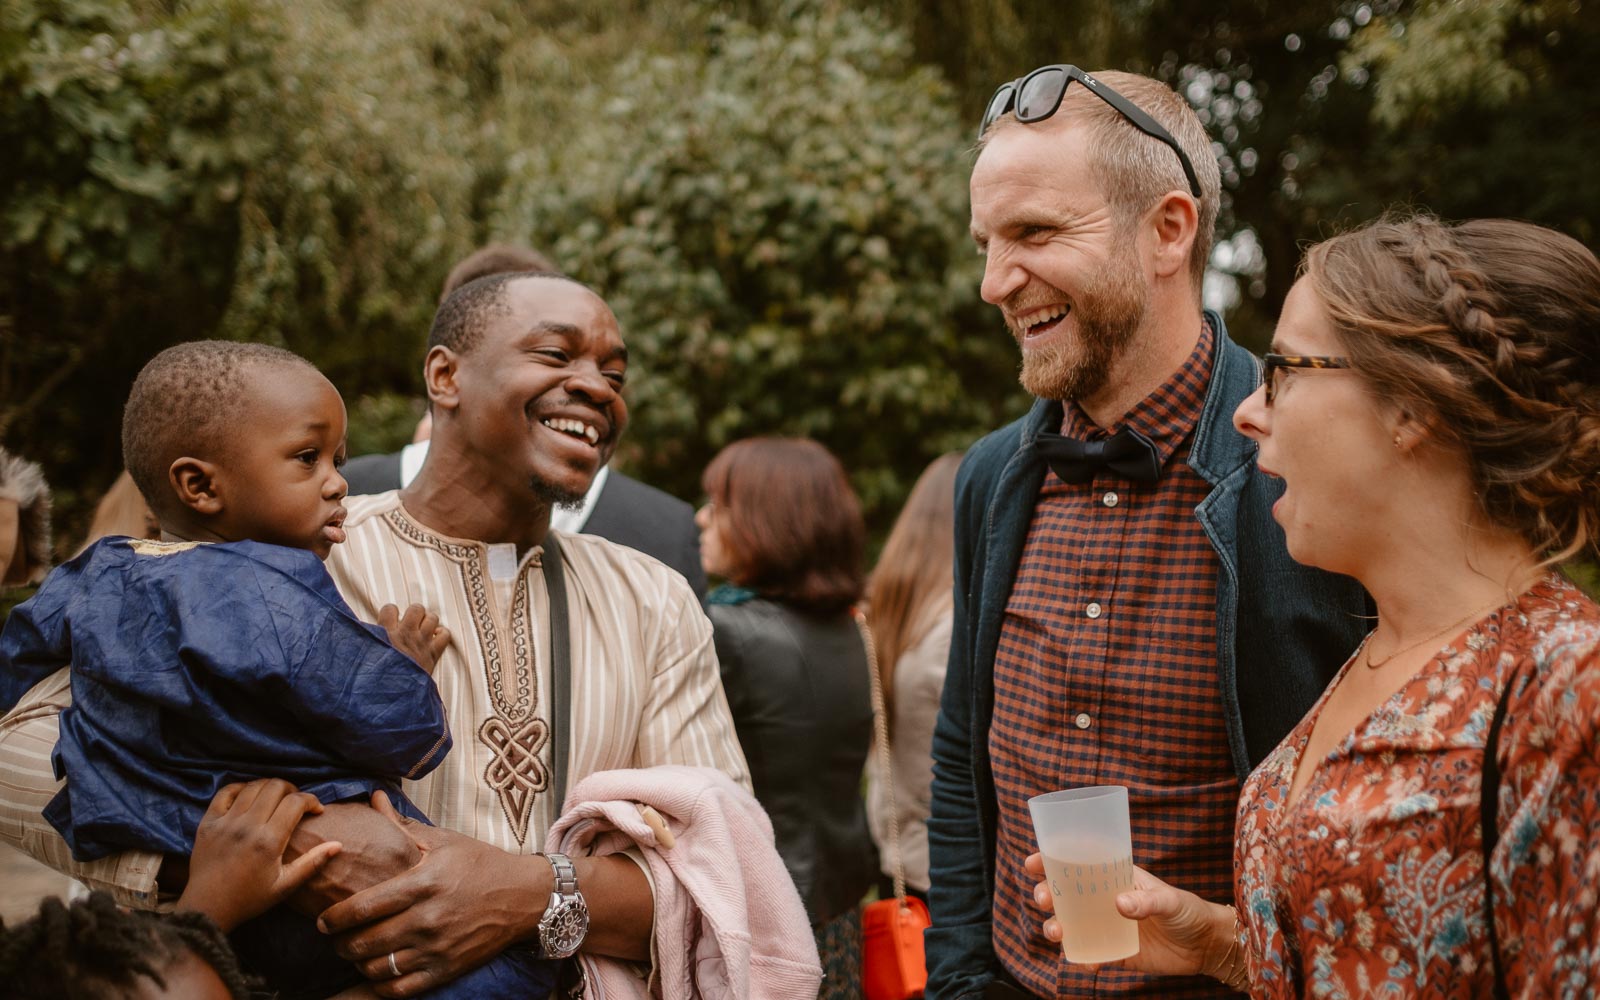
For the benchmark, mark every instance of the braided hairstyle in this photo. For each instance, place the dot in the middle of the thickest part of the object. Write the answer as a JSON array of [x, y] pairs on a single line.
[[1491, 329], [94, 949]]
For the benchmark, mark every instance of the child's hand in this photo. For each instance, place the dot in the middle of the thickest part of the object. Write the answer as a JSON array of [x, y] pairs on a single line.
[[417, 633], [237, 871]]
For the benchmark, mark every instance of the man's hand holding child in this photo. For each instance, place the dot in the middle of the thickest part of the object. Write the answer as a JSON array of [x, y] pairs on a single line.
[[237, 870]]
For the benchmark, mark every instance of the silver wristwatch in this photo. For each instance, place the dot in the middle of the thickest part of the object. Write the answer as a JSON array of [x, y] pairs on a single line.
[[566, 919]]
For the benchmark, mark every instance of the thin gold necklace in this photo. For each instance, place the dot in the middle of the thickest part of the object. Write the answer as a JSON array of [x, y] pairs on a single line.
[[1474, 616]]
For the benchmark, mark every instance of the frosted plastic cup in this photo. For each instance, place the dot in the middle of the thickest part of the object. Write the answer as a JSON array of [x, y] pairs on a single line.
[[1087, 844]]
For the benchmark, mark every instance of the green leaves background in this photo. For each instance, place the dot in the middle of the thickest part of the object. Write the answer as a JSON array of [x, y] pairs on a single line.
[[771, 193]]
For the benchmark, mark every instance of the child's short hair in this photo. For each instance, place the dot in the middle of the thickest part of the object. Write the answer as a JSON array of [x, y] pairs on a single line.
[[94, 948], [189, 400]]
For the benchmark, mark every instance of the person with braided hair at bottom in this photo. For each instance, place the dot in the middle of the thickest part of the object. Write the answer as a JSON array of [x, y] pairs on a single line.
[[93, 948], [1431, 828]]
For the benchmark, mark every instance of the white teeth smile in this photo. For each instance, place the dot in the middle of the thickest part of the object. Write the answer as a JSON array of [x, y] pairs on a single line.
[[1036, 317], [576, 428]]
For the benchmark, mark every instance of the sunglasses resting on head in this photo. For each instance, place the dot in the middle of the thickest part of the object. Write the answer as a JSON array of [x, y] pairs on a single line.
[[1038, 95]]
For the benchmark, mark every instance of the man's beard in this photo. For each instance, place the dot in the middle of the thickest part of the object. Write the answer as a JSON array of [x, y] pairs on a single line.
[[1106, 315], [556, 496]]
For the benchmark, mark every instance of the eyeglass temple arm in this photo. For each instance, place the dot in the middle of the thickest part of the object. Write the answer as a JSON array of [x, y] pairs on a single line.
[[1149, 126]]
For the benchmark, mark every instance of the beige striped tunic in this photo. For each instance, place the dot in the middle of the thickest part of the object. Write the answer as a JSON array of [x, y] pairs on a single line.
[[645, 684]]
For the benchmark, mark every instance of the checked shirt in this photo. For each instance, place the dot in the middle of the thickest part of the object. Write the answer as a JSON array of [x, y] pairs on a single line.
[[1106, 674]]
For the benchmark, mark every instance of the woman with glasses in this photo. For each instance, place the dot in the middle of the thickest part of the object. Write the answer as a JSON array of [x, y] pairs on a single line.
[[1433, 408], [784, 530]]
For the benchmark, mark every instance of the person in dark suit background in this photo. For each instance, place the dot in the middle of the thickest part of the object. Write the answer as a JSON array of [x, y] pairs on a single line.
[[617, 507]]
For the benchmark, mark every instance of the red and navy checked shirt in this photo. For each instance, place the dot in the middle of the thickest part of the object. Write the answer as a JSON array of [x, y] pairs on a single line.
[[1106, 674]]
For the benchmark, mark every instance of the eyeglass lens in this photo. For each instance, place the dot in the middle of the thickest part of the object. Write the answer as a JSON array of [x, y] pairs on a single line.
[[999, 104], [1039, 95]]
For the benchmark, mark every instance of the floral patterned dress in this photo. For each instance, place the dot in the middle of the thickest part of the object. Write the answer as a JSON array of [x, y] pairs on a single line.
[[1371, 883]]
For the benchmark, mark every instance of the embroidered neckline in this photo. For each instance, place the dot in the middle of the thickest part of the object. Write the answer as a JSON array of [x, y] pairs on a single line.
[[514, 733], [152, 547]]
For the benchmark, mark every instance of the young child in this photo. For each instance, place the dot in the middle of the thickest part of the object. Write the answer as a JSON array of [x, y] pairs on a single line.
[[198, 665]]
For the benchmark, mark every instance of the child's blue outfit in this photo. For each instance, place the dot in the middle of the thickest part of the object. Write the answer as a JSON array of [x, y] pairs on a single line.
[[198, 665]]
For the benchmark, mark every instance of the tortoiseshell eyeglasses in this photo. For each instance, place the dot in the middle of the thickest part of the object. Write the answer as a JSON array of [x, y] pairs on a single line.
[[1272, 362]]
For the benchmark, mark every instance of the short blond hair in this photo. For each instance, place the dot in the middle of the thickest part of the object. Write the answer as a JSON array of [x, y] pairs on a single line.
[[1134, 169]]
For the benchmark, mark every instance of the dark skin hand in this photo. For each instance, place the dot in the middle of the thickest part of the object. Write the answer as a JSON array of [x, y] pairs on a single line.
[[417, 633], [463, 903], [374, 851], [237, 870]]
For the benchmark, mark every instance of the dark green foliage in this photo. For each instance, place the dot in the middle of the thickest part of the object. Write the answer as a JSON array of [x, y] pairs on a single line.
[[382, 422], [1326, 113], [217, 168], [772, 193], [778, 221]]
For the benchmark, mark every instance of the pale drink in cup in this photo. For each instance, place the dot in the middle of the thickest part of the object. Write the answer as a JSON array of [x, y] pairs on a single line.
[[1087, 843]]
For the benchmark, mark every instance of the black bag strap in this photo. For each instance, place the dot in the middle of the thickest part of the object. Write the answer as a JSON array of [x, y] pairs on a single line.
[[555, 582], [1489, 815]]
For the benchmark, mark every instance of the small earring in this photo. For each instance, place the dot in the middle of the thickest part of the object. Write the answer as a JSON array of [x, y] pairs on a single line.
[[1397, 440]]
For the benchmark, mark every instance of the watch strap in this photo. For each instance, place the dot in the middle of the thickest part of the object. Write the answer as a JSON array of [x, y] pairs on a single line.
[[566, 874], [565, 923]]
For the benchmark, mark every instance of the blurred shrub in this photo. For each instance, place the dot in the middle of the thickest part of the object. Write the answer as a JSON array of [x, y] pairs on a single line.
[[777, 213], [290, 172], [382, 422], [779, 224], [1586, 574]]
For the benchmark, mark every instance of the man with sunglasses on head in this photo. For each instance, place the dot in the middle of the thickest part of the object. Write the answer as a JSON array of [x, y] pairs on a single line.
[[1125, 610]]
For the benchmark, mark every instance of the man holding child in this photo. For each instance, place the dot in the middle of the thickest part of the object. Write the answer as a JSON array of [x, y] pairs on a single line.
[[525, 374]]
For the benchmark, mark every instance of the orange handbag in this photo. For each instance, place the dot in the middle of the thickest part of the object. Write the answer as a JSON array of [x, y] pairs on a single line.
[[893, 964]]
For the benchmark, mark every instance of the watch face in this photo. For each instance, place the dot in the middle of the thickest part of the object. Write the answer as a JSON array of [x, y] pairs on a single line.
[[565, 923]]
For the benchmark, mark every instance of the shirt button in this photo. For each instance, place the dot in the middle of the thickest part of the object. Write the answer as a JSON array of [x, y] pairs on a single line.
[[1083, 721], [1093, 610], [1110, 499]]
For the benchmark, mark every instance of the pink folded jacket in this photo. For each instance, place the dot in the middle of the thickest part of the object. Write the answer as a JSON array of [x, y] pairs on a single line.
[[728, 922]]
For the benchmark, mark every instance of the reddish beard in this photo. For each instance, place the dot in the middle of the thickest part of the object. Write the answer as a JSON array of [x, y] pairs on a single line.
[[1105, 316]]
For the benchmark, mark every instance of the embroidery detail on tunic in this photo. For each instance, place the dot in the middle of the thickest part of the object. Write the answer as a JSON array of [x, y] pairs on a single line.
[[513, 733], [150, 547], [516, 773], [521, 654], [404, 526]]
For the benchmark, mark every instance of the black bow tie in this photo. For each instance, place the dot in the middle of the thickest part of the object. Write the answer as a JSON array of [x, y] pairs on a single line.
[[1127, 453]]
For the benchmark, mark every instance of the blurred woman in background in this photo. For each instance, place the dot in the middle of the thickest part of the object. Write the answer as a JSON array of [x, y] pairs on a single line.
[[909, 610], [784, 529], [24, 522], [25, 549]]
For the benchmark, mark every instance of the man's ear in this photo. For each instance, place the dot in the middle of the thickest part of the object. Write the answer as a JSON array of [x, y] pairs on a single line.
[[440, 371], [1174, 223], [195, 482]]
